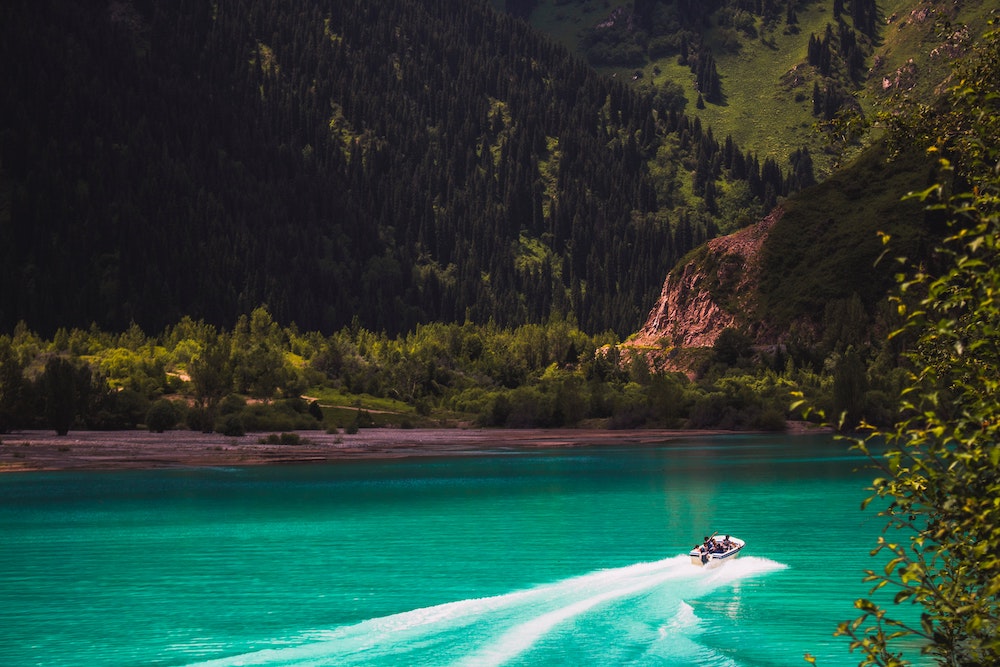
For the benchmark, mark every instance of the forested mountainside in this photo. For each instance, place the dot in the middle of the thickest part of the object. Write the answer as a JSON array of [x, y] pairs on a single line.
[[801, 285], [830, 238], [389, 162], [769, 72], [819, 255], [777, 76]]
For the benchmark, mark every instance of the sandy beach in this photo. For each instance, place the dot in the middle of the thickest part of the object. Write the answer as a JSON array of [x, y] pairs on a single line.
[[104, 450]]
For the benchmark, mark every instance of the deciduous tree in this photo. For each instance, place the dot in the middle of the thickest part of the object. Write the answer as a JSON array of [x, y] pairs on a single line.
[[939, 483]]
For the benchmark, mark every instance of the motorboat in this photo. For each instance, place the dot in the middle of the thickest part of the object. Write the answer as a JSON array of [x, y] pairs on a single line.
[[716, 550]]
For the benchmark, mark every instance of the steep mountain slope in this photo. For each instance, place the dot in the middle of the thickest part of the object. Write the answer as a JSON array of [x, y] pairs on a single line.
[[767, 73], [804, 73], [389, 162], [820, 247], [710, 290]]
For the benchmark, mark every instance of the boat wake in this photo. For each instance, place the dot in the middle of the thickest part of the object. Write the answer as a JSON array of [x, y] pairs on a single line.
[[639, 614]]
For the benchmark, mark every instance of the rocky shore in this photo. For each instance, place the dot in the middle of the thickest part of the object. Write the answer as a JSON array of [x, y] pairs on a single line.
[[103, 450]]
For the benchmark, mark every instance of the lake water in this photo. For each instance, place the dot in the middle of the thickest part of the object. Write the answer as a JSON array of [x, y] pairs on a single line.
[[569, 557]]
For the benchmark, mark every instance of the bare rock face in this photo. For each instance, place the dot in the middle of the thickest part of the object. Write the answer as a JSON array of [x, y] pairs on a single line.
[[712, 292], [686, 314]]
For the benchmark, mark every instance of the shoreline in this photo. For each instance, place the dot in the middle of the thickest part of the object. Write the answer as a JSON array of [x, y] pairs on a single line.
[[37, 451]]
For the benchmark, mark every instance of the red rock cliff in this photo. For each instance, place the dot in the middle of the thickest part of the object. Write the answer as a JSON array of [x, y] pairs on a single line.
[[713, 291]]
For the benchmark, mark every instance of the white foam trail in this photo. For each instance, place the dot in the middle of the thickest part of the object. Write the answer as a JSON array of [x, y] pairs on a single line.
[[485, 632], [684, 620], [624, 582], [612, 585]]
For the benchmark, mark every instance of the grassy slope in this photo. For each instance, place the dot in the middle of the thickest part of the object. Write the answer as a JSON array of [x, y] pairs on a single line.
[[770, 111], [904, 39], [565, 20], [766, 109], [760, 112], [826, 245]]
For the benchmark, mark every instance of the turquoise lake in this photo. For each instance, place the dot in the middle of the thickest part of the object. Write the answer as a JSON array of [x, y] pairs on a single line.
[[562, 557]]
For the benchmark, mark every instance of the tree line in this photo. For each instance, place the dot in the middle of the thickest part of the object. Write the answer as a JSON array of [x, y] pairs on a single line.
[[261, 376]]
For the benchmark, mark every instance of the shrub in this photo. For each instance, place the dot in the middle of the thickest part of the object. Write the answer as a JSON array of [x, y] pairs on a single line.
[[731, 346], [231, 404], [363, 419], [162, 416], [231, 425], [771, 419], [289, 439], [200, 419]]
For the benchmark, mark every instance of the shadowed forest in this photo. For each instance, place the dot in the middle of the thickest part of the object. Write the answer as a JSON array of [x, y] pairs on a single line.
[[451, 219], [398, 162]]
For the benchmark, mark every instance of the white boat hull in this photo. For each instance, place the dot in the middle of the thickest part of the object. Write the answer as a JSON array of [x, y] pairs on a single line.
[[716, 550]]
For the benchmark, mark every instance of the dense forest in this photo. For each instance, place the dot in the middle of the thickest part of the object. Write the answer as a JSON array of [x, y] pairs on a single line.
[[261, 376], [397, 162], [465, 218]]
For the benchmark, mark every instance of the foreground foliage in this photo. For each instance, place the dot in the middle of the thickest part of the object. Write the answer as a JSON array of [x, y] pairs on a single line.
[[939, 489]]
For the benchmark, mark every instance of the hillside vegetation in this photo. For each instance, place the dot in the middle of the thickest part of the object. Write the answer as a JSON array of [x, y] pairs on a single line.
[[322, 161], [394, 162], [828, 240], [860, 66], [784, 82]]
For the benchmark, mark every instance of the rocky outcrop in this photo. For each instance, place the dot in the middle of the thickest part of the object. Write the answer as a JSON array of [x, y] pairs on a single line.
[[713, 291]]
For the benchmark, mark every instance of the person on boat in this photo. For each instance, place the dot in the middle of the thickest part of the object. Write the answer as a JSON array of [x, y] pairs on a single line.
[[704, 548]]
